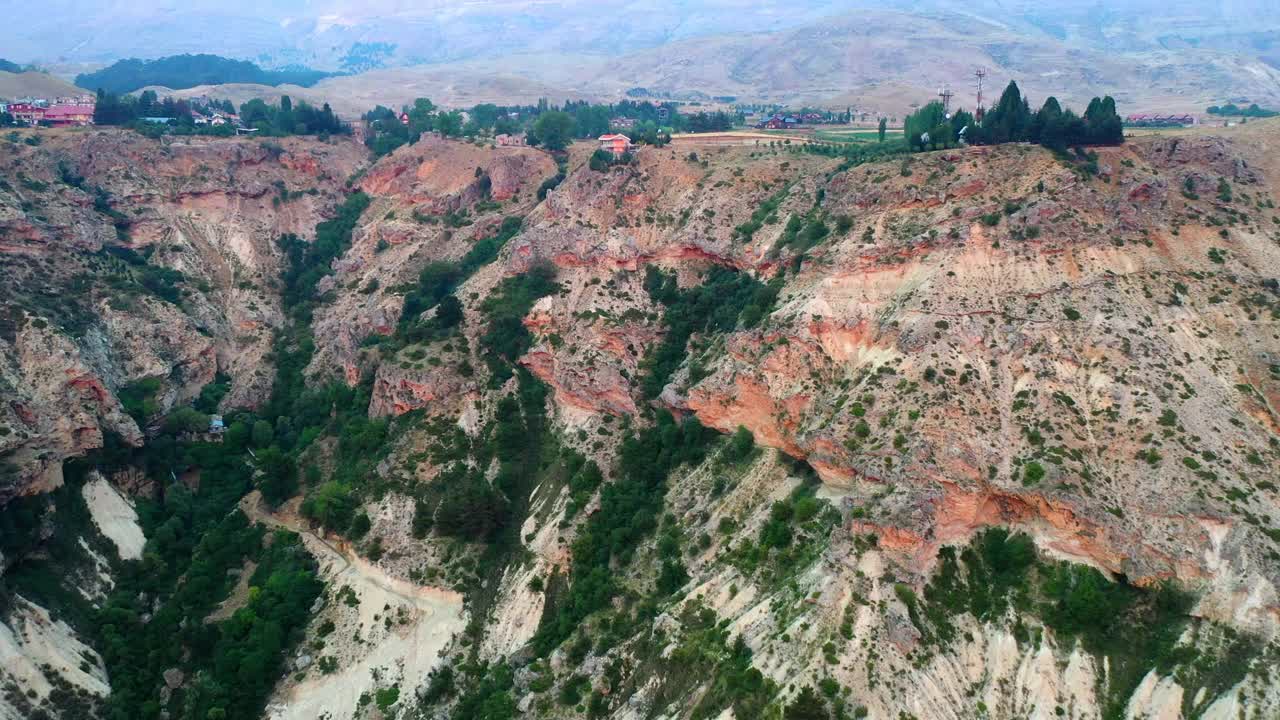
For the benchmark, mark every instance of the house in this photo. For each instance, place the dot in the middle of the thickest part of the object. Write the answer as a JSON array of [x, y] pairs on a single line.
[[1143, 120], [778, 122], [69, 115], [615, 144], [215, 424], [505, 140], [29, 113], [622, 122]]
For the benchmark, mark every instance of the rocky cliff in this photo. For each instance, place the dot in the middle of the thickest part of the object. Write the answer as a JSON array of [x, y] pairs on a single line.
[[926, 351], [127, 259]]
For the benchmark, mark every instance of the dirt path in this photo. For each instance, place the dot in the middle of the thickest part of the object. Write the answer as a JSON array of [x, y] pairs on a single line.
[[388, 631]]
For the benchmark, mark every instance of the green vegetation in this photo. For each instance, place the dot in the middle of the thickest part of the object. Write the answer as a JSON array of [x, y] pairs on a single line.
[[506, 338], [139, 399], [553, 130], [793, 537], [235, 662], [601, 160], [765, 213], [550, 126], [179, 72], [1136, 629], [308, 263], [1012, 120], [706, 653], [725, 299], [629, 508], [438, 280], [1233, 110], [281, 120], [154, 617], [803, 233], [930, 126]]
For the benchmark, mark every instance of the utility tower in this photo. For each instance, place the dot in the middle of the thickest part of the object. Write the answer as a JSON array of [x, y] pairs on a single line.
[[979, 75], [946, 95]]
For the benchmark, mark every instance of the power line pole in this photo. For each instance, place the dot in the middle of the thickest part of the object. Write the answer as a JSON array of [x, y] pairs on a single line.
[[946, 95]]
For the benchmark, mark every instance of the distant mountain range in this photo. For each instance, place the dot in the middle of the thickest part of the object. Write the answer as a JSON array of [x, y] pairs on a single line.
[[350, 36], [1151, 54]]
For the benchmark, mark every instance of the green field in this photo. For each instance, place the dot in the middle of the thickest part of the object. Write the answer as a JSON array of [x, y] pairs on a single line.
[[847, 136]]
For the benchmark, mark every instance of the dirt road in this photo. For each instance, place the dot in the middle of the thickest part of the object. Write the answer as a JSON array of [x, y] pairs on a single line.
[[391, 633]]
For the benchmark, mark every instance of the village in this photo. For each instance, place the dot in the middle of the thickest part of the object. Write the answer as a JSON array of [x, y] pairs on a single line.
[[60, 112], [78, 111]]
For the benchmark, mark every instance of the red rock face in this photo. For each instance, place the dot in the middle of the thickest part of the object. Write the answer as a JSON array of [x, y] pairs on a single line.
[[211, 209], [995, 340], [952, 342]]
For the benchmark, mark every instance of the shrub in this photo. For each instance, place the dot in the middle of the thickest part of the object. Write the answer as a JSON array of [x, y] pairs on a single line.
[[1032, 473]]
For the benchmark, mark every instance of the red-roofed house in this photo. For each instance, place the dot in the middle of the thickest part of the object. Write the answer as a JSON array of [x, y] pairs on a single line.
[[69, 115], [27, 113], [616, 144]]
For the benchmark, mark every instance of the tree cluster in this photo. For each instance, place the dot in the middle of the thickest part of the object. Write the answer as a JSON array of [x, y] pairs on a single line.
[[550, 126], [1233, 110], [1012, 120], [286, 118]]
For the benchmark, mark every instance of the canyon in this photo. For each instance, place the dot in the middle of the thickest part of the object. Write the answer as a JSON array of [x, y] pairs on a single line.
[[1080, 349]]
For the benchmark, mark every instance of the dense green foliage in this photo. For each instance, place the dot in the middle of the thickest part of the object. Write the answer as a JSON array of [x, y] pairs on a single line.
[[439, 279], [153, 618], [153, 117], [552, 130], [506, 338], [290, 118], [489, 697], [725, 299], [1011, 120], [307, 263], [545, 125], [474, 508], [1231, 109], [1137, 629], [629, 508], [706, 652], [931, 126], [179, 72]]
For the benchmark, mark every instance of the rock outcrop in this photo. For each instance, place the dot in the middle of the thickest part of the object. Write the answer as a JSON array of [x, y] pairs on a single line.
[[128, 259]]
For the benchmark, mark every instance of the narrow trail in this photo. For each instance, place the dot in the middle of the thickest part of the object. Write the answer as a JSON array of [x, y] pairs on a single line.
[[342, 554], [402, 652]]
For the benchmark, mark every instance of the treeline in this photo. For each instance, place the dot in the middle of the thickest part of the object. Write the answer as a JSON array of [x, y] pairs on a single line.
[[289, 118], [148, 114], [1233, 110], [544, 125], [1012, 120], [179, 72], [114, 109]]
